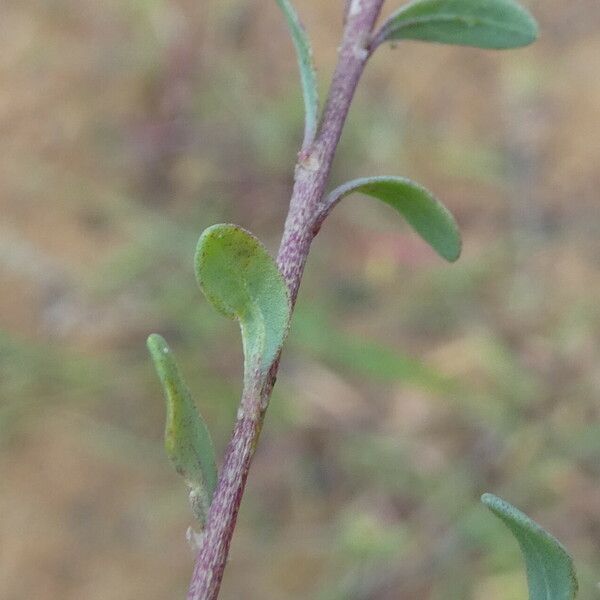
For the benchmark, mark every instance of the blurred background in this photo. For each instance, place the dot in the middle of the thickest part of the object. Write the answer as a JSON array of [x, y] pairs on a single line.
[[408, 386]]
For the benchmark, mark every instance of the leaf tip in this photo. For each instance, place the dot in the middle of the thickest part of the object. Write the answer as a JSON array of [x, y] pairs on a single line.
[[550, 571], [214, 232], [156, 343], [502, 508], [453, 253], [211, 241], [531, 31], [488, 499], [159, 353], [535, 30]]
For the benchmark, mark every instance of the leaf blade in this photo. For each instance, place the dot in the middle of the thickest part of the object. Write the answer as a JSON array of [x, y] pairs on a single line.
[[426, 215], [308, 76], [187, 439], [493, 24], [550, 571], [241, 280]]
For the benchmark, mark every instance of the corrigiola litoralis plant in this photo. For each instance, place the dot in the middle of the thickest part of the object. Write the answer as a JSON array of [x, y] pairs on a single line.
[[242, 281]]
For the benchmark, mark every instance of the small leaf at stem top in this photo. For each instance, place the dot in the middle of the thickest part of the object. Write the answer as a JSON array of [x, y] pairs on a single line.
[[427, 216], [550, 571], [242, 281], [308, 75], [187, 439], [496, 24]]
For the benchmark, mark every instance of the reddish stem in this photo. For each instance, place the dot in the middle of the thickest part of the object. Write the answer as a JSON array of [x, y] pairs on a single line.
[[312, 173]]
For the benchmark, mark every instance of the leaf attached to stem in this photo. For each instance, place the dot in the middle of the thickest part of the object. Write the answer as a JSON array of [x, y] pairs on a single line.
[[187, 439]]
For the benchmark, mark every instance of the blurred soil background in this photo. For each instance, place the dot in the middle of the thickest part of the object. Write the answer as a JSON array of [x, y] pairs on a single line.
[[408, 386]]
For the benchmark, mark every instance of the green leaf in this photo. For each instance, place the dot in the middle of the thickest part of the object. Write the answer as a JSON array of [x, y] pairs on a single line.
[[187, 439], [550, 571], [308, 76], [242, 281], [427, 216], [498, 24]]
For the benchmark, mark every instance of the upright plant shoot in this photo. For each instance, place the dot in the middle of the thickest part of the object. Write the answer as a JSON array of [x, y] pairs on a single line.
[[241, 280]]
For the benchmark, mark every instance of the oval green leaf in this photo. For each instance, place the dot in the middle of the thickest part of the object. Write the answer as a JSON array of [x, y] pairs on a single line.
[[187, 439], [427, 216], [308, 77], [497, 24], [241, 280], [550, 571]]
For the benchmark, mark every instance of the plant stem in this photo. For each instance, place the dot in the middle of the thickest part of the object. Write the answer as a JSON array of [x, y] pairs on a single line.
[[311, 175], [314, 166]]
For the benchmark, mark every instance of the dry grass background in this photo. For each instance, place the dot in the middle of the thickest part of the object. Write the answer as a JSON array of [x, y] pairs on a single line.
[[408, 386]]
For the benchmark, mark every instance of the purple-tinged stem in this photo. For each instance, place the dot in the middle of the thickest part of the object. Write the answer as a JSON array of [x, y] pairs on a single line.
[[314, 166], [311, 175]]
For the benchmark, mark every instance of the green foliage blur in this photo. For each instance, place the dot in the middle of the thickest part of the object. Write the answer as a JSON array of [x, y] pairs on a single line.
[[408, 386]]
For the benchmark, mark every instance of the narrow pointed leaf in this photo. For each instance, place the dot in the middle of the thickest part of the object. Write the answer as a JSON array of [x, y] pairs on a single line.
[[550, 571], [187, 439], [242, 281], [498, 24], [308, 75], [427, 216]]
